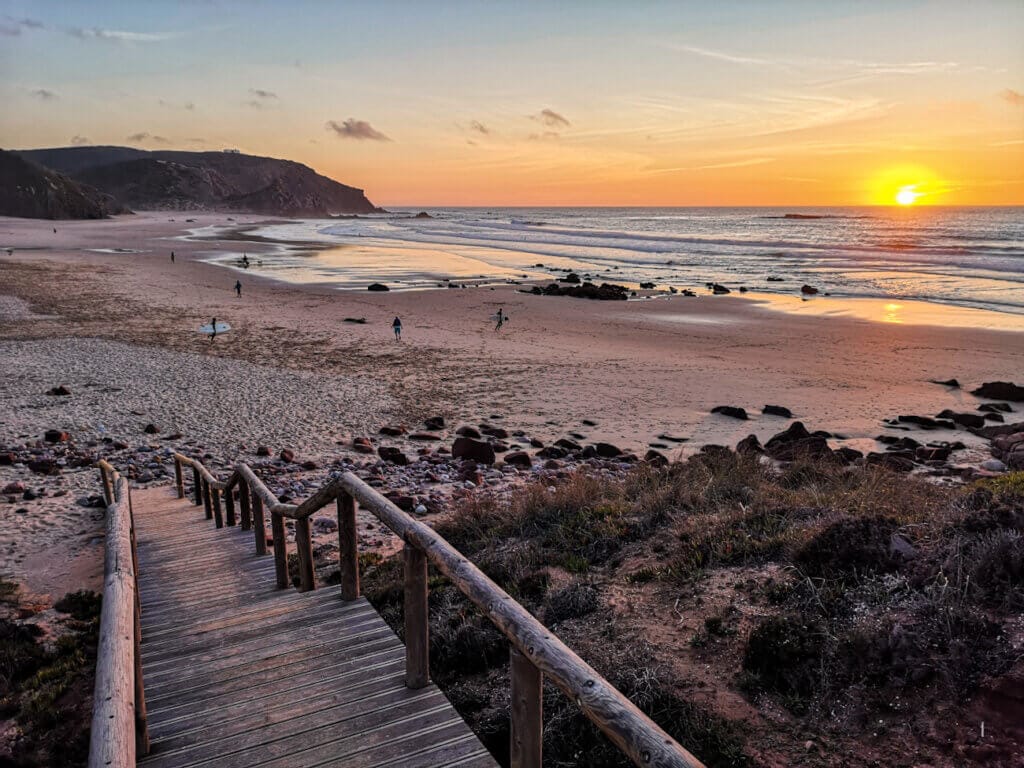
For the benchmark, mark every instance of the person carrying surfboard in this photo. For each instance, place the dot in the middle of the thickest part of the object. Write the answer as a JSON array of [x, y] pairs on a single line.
[[213, 329], [396, 326]]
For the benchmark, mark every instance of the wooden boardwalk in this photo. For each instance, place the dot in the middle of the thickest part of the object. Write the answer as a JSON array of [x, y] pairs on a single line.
[[239, 673]]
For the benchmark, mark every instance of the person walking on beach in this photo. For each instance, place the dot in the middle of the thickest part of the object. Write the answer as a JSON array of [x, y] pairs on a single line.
[[172, 257], [396, 326], [238, 288], [213, 327], [501, 318]]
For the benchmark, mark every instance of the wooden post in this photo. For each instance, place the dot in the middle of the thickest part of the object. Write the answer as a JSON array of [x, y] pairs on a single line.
[[141, 717], [197, 485], [527, 742], [245, 504], [259, 526], [218, 514], [207, 501], [280, 550], [179, 480], [348, 547], [304, 548], [417, 619], [229, 505], [108, 486]]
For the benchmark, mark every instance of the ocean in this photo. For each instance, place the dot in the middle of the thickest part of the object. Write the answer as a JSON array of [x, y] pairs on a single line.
[[967, 257]]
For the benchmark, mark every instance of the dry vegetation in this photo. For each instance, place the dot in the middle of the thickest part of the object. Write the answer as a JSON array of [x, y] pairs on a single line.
[[804, 615]]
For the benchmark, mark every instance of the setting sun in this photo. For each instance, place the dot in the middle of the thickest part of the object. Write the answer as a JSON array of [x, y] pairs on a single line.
[[907, 195]]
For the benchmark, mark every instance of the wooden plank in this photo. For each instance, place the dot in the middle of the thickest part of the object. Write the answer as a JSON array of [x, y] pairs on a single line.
[[348, 547], [417, 619], [527, 700]]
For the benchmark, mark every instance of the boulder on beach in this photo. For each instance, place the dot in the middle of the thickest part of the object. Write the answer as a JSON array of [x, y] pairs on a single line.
[[434, 423], [519, 459], [749, 444], [60, 391], [1000, 390], [719, 290], [56, 436], [656, 459], [607, 450], [963, 419], [392, 455], [796, 442], [377, 287], [469, 448], [730, 410], [423, 215], [777, 410], [808, 290], [995, 408], [467, 431]]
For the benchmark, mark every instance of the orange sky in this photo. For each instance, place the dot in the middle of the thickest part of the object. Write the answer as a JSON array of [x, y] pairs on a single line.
[[785, 103]]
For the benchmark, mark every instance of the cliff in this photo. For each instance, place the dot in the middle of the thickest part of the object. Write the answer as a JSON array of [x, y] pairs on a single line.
[[31, 191], [230, 181]]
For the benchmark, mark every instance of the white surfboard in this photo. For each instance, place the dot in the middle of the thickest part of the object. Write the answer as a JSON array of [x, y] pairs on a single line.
[[208, 329]]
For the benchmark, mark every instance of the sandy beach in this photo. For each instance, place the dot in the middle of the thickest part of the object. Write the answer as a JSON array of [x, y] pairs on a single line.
[[100, 308]]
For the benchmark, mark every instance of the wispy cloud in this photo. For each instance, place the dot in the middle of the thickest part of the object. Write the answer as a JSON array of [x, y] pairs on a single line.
[[142, 137], [1014, 97], [714, 166], [259, 93], [78, 141], [1010, 143], [545, 136], [117, 35], [709, 53], [44, 95], [188, 105], [479, 127], [551, 119], [355, 129], [11, 26]]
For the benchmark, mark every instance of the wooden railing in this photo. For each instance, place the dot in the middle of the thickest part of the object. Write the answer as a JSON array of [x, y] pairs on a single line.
[[119, 729], [535, 650]]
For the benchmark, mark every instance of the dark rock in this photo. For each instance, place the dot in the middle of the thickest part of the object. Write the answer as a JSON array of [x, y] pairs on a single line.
[[997, 417], [589, 452], [926, 453], [552, 464], [477, 450], [808, 290], [7, 458], [847, 455], [43, 466], [656, 459], [588, 423], [535, 443], [29, 495], [777, 410], [434, 423], [56, 436], [901, 549], [401, 500], [902, 443], [963, 419], [356, 320], [607, 450], [362, 445], [552, 452], [498, 446], [718, 289], [925, 423], [647, 286], [1000, 390], [890, 461], [151, 429], [392, 455], [947, 383], [260, 450], [60, 391], [995, 408], [671, 439], [287, 455], [775, 280], [571, 278], [467, 431], [309, 465], [425, 436], [498, 432], [15, 486], [377, 287], [391, 431], [567, 444], [603, 292], [796, 442], [730, 410], [749, 444], [519, 459], [999, 429]]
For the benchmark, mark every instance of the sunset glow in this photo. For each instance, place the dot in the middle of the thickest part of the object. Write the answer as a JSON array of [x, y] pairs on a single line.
[[534, 104], [907, 195]]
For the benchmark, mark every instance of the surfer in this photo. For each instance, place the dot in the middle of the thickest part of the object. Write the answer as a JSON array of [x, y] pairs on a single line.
[[501, 318], [238, 288], [396, 326], [245, 261], [172, 257]]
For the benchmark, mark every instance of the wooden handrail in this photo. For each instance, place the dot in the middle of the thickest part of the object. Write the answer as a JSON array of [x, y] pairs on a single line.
[[536, 651], [119, 728]]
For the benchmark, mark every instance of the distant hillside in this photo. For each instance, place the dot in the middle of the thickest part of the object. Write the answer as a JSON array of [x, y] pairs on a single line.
[[30, 191], [204, 180]]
